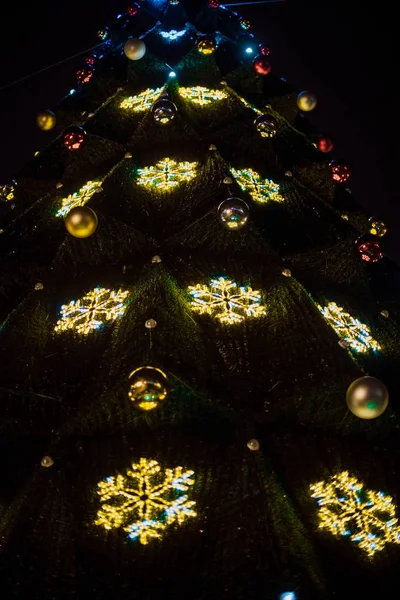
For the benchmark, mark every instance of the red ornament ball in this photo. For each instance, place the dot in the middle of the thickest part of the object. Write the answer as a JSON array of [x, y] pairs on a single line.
[[325, 143], [368, 248], [340, 172], [133, 9], [265, 51], [74, 138], [89, 60], [262, 65], [85, 74], [213, 3]]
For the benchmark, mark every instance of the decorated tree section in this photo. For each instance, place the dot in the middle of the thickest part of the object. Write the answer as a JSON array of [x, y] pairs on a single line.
[[200, 341]]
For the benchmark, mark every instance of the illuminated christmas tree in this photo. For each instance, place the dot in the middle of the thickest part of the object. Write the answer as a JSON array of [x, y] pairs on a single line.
[[199, 335]]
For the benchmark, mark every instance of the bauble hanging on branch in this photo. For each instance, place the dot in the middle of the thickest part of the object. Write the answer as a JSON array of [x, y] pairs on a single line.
[[206, 45], [149, 388], [369, 248], [133, 9], [81, 222], [266, 125], [367, 397], [163, 111], [306, 101], [340, 172], [46, 120], [325, 143], [74, 138], [233, 213], [84, 75], [135, 49], [261, 65], [377, 227]]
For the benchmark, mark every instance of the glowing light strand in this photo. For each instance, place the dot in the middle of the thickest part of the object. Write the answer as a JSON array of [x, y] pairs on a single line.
[[141, 102], [166, 174], [225, 301], [79, 198], [92, 311], [202, 95], [348, 509], [357, 334], [145, 501], [261, 190]]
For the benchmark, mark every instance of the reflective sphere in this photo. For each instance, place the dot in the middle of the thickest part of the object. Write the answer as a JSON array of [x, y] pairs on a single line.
[[133, 9], [74, 138], [377, 227], [102, 34], [325, 143], [135, 49], [262, 65], [47, 461], [306, 101], [340, 172], [266, 125], [369, 248], [253, 445], [46, 120], [81, 221], [149, 387], [233, 213], [367, 397], [206, 45], [84, 75], [265, 50], [163, 111]]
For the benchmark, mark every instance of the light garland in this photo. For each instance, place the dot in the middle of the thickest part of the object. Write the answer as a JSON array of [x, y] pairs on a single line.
[[145, 501], [348, 509], [92, 311], [79, 198], [225, 301], [355, 333], [201, 95], [167, 174], [261, 190], [141, 102]]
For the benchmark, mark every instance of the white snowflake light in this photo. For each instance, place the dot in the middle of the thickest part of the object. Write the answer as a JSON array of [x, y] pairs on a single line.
[[356, 334]]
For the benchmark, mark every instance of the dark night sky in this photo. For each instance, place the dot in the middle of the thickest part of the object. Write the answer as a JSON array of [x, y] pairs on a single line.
[[327, 47]]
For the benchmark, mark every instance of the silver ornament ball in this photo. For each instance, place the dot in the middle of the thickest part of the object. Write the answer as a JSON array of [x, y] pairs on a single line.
[[266, 125], [135, 49], [163, 111], [233, 213], [367, 397]]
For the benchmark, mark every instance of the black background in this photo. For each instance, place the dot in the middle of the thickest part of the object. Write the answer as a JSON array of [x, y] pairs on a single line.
[[340, 50]]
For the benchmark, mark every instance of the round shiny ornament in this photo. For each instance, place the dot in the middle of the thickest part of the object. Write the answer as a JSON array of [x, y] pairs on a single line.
[[367, 397], [150, 324], [39, 286], [102, 34], [368, 248], [233, 213], [133, 9], [265, 50], [306, 101], [46, 120], [261, 65], [163, 111], [135, 49], [81, 221], [266, 125], [244, 24], [377, 227], [156, 259], [325, 143], [47, 461], [287, 272], [149, 388], [340, 172], [84, 75], [74, 138], [213, 4], [206, 45], [385, 313], [253, 445], [90, 60]]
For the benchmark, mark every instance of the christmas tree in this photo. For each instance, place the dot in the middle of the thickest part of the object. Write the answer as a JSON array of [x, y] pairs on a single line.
[[199, 335]]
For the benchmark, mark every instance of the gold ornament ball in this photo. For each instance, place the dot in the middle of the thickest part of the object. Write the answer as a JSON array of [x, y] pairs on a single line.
[[81, 221], [135, 49], [47, 461], [306, 101], [46, 120], [206, 45], [377, 227], [149, 387], [367, 397]]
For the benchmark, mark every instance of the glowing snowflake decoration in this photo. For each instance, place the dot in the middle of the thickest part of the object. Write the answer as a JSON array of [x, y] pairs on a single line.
[[261, 190], [227, 302], [173, 34], [145, 501], [347, 508], [166, 174], [92, 311], [141, 102], [349, 329], [79, 198], [202, 95]]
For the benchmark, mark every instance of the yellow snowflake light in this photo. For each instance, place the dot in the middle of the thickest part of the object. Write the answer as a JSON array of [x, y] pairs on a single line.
[[202, 95], [261, 190], [92, 311], [225, 301], [166, 174], [355, 333], [347, 508], [141, 102], [79, 198], [145, 501]]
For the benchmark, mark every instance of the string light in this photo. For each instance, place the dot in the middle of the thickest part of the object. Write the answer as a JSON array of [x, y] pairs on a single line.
[[348, 509], [79, 198], [141, 102], [355, 333], [92, 311], [167, 174], [145, 501], [201, 95], [261, 190], [225, 301]]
